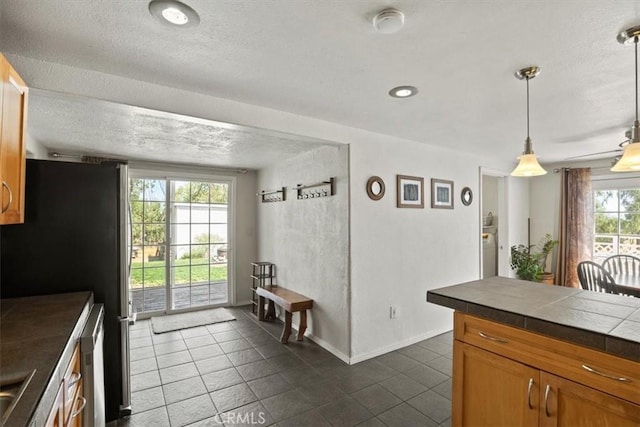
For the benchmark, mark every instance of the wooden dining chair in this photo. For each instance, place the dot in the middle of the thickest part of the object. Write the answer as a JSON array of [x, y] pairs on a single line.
[[595, 278], [622, 264]]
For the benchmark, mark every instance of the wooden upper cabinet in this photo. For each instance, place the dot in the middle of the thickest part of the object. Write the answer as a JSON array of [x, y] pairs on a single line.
[[13, 152]]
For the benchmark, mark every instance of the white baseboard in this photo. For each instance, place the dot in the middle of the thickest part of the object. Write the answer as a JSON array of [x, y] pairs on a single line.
[[331, 349], [396, 346]]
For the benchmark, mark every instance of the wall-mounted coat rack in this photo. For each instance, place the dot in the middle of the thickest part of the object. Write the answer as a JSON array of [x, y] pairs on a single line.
[[321, 189], [273, 196]]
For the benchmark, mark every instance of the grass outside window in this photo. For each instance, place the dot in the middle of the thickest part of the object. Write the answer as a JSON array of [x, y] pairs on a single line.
[[200, 271]]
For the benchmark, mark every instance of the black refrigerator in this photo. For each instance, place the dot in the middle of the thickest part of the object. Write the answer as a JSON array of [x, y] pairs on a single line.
[[74, 239]]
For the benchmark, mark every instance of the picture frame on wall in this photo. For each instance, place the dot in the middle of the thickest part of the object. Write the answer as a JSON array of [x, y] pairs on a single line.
[[410, 191], [441, 194]]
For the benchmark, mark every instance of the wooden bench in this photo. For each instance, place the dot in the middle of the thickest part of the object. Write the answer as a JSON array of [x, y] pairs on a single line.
[[290, 301]]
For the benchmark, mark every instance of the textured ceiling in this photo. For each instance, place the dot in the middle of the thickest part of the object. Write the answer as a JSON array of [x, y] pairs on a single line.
[[66, 123], [323, 59]]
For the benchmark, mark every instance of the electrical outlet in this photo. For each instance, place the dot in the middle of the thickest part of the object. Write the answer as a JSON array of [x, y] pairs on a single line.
[[393, 312]]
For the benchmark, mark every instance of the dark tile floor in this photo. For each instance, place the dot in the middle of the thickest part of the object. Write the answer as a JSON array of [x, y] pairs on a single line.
[[238, 373]]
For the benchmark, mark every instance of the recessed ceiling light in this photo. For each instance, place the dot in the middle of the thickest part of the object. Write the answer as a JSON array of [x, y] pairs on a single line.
[[403, 91], [174, 13]]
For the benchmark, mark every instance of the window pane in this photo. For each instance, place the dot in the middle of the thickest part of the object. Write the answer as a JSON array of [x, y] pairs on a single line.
[[200, 233], [136, 189], [200, 192], [219, 233], [137, 209], [219, 193], [153, 234], [605, 246], [199, 253], [182, 191], [136, 234], [606, 223], [630, 246], [181, 234], [153, 277], [630, 223], [154, 190], [606, 200], [181, 275], [218, 273], [180, 254], [154, 212], [200, 214], [630, 200]]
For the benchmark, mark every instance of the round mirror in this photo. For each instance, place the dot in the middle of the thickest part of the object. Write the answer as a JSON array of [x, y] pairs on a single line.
[[375, 188], [466, 196]]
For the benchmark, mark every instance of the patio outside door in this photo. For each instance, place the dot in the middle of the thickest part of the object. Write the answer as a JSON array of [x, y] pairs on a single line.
[[179, 244]]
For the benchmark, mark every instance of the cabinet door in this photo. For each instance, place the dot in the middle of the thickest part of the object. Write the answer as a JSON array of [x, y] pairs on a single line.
[[490, 390], [570, 404], [12, 145]]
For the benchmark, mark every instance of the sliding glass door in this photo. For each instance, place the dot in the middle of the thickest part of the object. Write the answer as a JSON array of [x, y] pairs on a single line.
[[179, 243]]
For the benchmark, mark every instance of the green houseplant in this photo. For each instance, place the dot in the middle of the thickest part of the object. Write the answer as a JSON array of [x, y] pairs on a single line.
[[529, 262]]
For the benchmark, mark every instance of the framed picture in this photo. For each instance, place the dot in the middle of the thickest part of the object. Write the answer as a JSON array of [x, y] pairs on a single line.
[[441, 194], [410, 191]]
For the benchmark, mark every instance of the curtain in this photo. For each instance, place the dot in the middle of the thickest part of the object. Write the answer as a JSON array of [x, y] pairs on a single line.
[[576, 225]]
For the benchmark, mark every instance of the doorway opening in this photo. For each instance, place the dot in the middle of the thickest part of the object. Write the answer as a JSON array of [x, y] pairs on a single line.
[[494, 259]]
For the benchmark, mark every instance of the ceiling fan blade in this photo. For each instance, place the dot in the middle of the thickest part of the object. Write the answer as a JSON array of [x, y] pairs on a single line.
[[594, 154]]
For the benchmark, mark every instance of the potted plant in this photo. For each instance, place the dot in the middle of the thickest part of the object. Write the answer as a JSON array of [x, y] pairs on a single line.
[[530, 262]]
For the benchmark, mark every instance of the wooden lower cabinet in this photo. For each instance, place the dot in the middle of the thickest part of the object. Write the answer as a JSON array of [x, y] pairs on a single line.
[[490, 389], [572, 404], [69, 404]]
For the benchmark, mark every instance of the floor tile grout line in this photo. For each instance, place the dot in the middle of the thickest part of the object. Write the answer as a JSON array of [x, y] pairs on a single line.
[[303, 362]]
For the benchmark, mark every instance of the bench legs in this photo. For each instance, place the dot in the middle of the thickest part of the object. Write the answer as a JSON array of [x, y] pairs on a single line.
[[303, 324], [261, 307], [287, 326]]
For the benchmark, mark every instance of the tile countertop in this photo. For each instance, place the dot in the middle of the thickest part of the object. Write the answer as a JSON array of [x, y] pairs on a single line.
[[606, 322], [35, 333]]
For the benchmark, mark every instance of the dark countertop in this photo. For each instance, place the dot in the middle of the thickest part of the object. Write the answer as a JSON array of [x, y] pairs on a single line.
[[35, 333], [605, 322]]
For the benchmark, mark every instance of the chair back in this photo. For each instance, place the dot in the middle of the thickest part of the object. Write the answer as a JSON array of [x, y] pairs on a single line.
[[622, 264], [595, 278]]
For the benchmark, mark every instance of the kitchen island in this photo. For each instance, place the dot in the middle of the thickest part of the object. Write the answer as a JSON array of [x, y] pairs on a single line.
[[38, 335], [533, 354]]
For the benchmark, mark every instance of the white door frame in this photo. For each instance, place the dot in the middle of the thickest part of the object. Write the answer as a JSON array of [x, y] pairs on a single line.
[[503, 220]]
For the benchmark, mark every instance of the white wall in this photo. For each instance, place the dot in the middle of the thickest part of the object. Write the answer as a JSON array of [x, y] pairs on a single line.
[[36, 150], [398, 254], [308, 240]]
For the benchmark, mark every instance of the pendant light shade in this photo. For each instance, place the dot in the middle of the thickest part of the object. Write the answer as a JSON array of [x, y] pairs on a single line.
[[630, 160], [528, 165]]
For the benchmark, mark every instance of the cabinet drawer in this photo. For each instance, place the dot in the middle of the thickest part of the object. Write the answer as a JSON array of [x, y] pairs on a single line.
[[71, 382], [610, 374]]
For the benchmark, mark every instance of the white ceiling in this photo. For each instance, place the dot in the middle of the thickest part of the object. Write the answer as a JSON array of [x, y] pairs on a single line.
[[323, 59]]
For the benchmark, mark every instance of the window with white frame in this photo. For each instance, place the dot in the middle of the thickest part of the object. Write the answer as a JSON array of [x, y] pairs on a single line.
[[616, 217]]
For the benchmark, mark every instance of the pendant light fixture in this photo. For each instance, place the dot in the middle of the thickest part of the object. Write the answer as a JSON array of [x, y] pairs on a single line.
[[630, 160], [528, 165]]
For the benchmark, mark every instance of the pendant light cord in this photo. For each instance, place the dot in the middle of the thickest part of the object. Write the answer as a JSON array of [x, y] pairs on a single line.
[[528, 103], [635, 40]]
